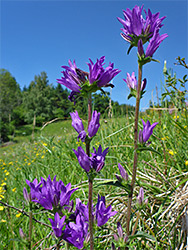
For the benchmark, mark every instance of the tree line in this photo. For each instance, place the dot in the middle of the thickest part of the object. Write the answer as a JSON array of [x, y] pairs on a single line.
[[41, 102]]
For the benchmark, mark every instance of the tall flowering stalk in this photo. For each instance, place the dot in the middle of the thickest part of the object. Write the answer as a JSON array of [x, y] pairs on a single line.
[[83, 83], [137, 31]]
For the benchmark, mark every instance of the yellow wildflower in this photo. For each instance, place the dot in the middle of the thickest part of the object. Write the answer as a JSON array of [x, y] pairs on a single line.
[[176, 117], [186, 163], [14, 190], [172, 152], [1, 208], [7, 173], [3, 220], [3, 184], [18, 215]]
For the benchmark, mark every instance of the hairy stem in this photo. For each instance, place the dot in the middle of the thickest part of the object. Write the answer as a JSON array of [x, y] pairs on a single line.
[[90, 181], [30, 229], [135, 149]]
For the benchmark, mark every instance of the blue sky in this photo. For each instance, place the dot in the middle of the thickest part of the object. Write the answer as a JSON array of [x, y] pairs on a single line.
[[41, 36]]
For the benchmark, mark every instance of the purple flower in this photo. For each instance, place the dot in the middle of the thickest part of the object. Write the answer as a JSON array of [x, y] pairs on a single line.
[[83, 159], [102, 213], [76, 232], [120, 235], [140, 197], [100, 75], [123, 172], [57, 224], [78, 125], [70, 77], [146, 132], [154, 44], [23, 236], [94, 124], [51, 194], [98, 158], [132, 82], [96, 161], [135, 26], [27, 196], [80, 209]]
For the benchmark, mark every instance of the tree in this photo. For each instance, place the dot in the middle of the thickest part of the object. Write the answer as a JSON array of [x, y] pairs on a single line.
[[37, 100], [10, 98]]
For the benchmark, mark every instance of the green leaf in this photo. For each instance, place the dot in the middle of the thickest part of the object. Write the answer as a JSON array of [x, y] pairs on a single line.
[[115, 183], [142, 235], [140, 149]]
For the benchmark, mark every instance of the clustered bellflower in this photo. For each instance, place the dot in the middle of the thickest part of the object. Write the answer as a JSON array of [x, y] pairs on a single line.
[[79, 81], [95, 162], [138, 30], [79, 127], [50, 194], [75, 229], [147, 131]]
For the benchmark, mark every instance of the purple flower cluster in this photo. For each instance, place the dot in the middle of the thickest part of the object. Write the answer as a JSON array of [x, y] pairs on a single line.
[[96, 161], [75, 79], [75, 231], [49, 193], [79, 127], [137, 30], [147, 131]]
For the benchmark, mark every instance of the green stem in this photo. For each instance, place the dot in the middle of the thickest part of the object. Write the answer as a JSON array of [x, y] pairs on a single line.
[[30, 229], [66, 245], [90, 181], [135, 149]]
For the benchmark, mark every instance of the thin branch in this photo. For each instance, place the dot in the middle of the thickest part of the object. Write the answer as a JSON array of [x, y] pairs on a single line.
[[24, 213]]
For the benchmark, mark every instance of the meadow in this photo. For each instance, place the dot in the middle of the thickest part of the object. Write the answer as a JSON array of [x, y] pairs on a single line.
[[159, 224]]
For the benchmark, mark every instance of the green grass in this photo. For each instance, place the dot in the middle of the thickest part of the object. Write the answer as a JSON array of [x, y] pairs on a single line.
[[163, 177]]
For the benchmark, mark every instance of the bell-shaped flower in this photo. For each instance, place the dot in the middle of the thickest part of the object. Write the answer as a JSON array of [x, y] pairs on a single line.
[[78, 125], [70, 77], [132, 82], [154, 44], [99, 75], [120, 236], [83, 159], [76, 232], [123, 173], [103, 213], [140, 197], [147, 131], [57, 224], [94, 124], [98, 158]]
